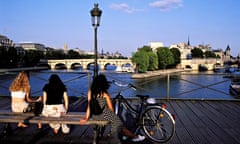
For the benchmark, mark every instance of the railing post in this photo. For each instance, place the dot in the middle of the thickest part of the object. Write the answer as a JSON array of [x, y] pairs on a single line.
[[89, 80], [168, 86]]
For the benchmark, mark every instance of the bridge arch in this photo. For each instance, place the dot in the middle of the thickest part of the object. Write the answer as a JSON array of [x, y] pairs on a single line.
[[60, 66], [85, 62], [109, 64], [76, 65]]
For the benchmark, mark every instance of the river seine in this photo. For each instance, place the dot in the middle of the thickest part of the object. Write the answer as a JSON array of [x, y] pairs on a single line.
[[206, 85]]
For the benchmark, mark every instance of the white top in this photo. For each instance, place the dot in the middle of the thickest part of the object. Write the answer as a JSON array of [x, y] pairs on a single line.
[[18, 94]]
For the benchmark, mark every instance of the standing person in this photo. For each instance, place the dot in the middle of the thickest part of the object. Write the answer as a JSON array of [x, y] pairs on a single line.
[[55, 102], [20, 94], [99, 89]]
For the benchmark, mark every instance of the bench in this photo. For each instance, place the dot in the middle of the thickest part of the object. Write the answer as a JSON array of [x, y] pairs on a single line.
[[71, 118]]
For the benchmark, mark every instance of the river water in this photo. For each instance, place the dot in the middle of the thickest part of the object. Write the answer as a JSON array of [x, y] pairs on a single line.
[[206, 85]]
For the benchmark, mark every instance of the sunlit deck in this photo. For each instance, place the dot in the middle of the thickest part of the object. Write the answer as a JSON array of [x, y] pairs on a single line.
[[197, 122]]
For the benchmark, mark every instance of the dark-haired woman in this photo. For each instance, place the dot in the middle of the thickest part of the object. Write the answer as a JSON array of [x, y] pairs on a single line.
[[55, 102], [99, 90]]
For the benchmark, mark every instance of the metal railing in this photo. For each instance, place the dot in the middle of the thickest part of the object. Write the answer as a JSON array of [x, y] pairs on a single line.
[[78, 84]]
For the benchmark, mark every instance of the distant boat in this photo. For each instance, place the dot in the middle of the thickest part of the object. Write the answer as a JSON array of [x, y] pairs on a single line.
[[234, 87], [125, 68], [219, 68]]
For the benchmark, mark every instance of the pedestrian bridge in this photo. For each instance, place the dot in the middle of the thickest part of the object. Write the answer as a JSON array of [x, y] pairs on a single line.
[[86, 63]]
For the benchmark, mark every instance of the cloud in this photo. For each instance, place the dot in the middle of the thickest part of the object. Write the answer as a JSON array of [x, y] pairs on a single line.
[[124, 7], [164, 5]]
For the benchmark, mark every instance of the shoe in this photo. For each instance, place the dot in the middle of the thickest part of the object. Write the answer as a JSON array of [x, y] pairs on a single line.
[[65, 129], [138, 138]]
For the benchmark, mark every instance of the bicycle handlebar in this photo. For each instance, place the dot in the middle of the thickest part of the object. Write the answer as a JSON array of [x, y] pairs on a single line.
[[124, 85]]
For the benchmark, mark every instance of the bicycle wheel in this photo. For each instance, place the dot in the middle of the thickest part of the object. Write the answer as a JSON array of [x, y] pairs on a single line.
[[158, 124]]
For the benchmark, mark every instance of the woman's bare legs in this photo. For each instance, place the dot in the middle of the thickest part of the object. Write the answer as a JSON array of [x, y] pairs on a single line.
[[128, 133]]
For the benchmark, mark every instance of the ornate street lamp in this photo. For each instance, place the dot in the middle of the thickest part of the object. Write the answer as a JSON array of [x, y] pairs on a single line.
[[96, 15]]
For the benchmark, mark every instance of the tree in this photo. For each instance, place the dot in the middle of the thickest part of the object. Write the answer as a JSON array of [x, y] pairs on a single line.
[[176, 55], [73, 54], [153, 61], [145, 49], [197, 53], [210, 54], [32, 57], [165, 57], [3, 57], [149, 57], [141, 59], [12, 57]]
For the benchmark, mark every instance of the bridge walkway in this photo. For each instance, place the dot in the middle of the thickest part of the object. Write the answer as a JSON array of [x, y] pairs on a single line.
[[197, 122]]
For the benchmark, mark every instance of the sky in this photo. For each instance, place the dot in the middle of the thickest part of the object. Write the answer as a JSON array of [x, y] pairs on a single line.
[[125, 26]]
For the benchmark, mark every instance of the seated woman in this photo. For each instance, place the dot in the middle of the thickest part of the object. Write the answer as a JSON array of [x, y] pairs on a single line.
[[99, 89], [20, 94], [55, 102]]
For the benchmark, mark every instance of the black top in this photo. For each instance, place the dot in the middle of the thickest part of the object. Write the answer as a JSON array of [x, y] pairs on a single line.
[[54, 94]]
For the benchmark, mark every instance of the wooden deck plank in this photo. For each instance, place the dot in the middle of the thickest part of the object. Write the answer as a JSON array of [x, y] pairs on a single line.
[[195, 128], [215, 123], [181, 130], [200, 125], [197, 121]]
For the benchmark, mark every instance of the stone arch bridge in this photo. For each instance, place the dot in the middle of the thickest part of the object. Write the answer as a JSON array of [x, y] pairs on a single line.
[[85, 63]]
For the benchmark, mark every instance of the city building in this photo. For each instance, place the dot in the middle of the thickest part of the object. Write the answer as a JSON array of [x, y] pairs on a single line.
[[31, 46], [155, 45], [5, 41], [185, 49]]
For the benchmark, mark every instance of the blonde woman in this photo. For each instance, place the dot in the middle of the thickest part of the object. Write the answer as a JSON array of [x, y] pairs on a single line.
[[20, 93]]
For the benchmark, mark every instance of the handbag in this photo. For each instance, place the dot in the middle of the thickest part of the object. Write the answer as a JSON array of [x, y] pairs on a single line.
[[95, 108]]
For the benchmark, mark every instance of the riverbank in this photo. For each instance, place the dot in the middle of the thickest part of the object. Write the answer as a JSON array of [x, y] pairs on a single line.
[[155, 73]]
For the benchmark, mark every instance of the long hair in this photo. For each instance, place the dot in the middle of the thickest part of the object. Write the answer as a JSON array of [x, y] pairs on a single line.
[[99, 85], [55, 81], [21, 83]]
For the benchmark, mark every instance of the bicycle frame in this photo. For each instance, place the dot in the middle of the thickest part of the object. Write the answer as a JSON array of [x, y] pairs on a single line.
[[153, 118], [122, 103]]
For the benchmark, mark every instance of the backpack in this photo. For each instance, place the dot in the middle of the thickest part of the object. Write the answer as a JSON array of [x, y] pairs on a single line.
[[95, 108]]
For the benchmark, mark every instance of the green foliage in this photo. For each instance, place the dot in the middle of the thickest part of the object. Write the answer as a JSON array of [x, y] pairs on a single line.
[[176, 55], [32, 57], [73, 54], [54, 54], [210, 54], [8, 57], [153, 61], [141, 60], [197, 53], [145, 59], [145, 49], [165, 57]]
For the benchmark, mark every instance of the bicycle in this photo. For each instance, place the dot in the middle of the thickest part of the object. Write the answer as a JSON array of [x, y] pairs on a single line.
[[153, 118]]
